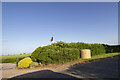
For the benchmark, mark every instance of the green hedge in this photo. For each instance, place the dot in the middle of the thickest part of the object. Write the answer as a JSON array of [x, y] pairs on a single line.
[[111, 48], [61, 52], [96, 49], [54, 54]]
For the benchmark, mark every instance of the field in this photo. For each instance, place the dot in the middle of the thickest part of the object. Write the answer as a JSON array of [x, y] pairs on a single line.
[[12, 58]]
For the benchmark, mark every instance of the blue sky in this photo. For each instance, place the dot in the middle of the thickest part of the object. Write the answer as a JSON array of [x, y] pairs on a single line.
[[28, 25]]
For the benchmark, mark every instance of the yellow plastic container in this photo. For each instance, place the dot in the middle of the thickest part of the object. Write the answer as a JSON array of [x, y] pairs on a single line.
[[24, 63]]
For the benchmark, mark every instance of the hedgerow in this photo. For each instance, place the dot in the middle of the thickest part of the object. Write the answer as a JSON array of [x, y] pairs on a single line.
[[111, 48], [96, 49], [54, 54], [61, 52]]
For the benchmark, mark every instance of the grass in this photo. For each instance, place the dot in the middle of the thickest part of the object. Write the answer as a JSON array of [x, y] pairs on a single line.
[[15, 56], [101, 56], [12, 58]]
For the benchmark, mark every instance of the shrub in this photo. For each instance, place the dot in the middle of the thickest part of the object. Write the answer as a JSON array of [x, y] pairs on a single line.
[[61, 52], [111, 48], [56, 55], [24, 63], [32, 64], [96, 49]]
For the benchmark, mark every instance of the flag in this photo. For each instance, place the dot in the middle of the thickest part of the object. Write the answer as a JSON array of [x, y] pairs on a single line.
[[51, 39]]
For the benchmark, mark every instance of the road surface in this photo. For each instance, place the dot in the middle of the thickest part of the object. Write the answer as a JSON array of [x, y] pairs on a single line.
[[101, 68]]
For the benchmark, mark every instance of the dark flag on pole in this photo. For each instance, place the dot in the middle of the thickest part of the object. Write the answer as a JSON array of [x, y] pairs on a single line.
[[51, 39]]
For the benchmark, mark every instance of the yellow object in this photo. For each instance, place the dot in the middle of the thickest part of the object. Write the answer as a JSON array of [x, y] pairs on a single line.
[[85, 53], [24, 63]]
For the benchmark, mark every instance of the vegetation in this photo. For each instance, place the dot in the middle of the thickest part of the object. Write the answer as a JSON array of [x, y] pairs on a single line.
[[95, 48], [15, 56], [46, 55], [12, 58], [33, 64], [61, 52], [100, 56], [24, 63], [111, 49]]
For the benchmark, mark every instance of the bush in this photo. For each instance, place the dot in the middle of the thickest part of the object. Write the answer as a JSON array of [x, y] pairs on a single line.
[[32, 64], [61, 52], [112, 48], [96, 49], [55, 55], [24, 63]]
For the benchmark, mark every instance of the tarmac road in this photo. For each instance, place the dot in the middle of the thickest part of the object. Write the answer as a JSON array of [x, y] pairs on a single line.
[[102, 68]]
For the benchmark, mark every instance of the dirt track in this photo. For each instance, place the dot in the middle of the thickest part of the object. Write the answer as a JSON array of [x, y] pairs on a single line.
[[102, 68]]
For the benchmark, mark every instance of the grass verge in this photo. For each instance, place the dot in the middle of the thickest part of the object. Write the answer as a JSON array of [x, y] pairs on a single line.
[[106, 55]]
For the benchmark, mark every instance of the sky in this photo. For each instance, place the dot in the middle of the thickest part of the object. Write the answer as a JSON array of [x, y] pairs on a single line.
[[28, 25]]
